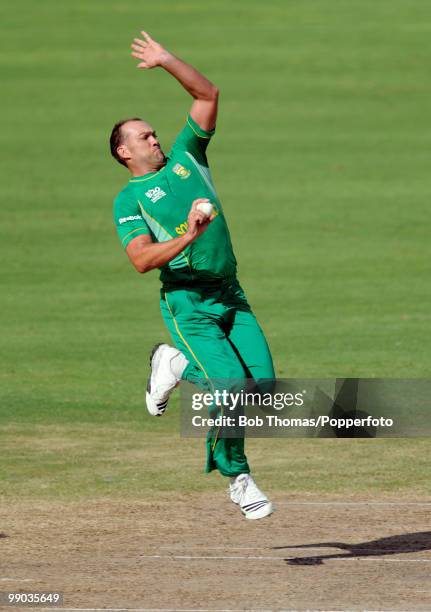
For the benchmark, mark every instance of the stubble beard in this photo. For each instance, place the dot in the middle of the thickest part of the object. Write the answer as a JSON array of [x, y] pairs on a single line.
[[159, 159]]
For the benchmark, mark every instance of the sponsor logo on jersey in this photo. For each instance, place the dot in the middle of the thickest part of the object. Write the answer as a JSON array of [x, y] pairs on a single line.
[[155, 194], [131, 218], [181, 171]]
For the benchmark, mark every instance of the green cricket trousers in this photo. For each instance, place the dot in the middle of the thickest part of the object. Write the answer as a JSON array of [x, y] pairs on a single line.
[[217, 331]]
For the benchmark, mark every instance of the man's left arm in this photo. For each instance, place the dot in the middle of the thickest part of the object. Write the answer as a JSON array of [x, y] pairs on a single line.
[[205, 93]]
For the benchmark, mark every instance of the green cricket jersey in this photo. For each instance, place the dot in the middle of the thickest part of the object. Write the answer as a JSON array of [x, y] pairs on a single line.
[[158, 204]]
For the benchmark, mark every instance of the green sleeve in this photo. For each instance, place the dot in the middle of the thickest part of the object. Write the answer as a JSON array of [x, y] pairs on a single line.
[[193, 139], [128, 219]]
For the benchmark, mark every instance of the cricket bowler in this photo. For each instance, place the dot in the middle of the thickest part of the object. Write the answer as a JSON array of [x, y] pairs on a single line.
[[169, 217]]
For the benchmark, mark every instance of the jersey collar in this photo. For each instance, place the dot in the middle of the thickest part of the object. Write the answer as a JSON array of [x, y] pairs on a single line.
[[146, 177]]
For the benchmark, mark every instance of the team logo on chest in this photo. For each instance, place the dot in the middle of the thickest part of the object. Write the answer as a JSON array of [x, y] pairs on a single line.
[[181, 171], [155, 194]]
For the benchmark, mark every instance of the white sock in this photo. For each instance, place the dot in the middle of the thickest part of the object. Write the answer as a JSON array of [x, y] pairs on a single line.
[[178, 365]]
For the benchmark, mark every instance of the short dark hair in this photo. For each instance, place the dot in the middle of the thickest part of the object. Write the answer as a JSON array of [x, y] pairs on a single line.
[[117, 139]]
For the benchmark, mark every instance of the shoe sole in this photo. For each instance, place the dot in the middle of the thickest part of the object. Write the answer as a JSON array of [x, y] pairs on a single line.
[[153, 351], [148, 394], [265, 510]]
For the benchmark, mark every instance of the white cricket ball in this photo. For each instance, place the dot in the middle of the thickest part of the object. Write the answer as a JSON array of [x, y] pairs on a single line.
[[206, 207]]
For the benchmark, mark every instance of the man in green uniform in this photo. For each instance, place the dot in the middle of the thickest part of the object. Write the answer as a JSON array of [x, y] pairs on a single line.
[[162, 224]]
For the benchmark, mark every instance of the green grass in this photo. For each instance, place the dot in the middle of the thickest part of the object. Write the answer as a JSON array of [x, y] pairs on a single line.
[[321, 160], [86, 461]]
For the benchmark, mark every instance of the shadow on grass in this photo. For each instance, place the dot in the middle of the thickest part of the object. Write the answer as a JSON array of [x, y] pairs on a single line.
[[393, 545]]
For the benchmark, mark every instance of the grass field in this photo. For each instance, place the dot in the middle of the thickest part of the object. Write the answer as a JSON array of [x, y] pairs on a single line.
[[321, 160]]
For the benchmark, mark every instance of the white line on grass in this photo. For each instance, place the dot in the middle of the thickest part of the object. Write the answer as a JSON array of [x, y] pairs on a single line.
[[197, 547], [270, 558], [16, 580], [161, 609], [325, 503], [352, 503], [190, 610]]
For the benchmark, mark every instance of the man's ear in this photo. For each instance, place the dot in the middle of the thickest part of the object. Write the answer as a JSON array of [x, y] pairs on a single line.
[[123, 152]]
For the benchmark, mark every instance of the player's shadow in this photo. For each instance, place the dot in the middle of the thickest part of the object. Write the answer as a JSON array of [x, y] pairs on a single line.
[[393, 545]]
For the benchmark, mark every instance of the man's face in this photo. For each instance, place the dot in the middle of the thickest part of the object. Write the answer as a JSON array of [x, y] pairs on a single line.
[[140, 145]]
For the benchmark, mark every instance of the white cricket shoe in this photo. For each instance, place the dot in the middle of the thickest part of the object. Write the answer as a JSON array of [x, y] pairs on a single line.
[[235, 489], [162, 380], [253, 503]]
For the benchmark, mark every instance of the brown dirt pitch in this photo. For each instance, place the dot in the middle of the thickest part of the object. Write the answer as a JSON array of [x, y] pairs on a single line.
[[196, 552]]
